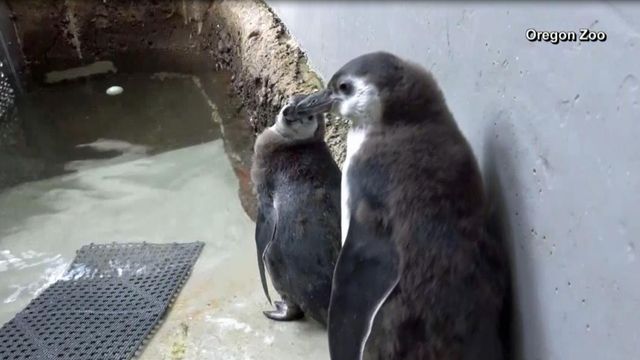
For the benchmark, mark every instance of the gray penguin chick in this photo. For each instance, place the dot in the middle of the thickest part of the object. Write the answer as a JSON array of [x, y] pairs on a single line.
[[418, 277], [297, 235]]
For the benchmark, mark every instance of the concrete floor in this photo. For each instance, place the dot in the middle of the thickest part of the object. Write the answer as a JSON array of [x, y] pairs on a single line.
[[185, 193]]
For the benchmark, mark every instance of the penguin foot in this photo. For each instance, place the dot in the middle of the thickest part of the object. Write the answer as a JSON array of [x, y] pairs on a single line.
[[285, 311]]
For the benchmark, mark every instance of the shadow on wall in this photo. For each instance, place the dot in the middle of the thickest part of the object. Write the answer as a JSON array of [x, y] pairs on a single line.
[[502, 183]]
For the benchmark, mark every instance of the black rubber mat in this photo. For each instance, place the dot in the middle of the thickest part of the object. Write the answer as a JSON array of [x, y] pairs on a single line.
[[106, 305]]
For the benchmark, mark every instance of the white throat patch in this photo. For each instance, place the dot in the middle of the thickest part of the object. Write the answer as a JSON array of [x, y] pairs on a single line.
[[355, 138], [364, 105]]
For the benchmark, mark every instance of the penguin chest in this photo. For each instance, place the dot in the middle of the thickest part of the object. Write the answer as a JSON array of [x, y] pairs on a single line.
[[355, 139]]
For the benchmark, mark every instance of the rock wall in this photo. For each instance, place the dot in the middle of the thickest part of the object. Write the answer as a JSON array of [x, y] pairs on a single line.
[[268, 64]]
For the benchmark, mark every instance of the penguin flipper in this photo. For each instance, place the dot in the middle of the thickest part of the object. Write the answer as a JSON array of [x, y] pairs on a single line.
[[265, 230], [366, 273]]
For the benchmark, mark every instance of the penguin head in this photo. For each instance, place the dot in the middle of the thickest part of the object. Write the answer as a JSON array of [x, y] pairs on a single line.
[[377, 88], [291, 125]]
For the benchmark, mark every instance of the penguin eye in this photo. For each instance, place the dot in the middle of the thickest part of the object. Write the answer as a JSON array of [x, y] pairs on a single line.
[[345, 88]]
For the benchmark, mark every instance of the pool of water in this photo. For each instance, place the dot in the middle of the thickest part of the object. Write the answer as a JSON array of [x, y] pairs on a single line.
[[158, 163]]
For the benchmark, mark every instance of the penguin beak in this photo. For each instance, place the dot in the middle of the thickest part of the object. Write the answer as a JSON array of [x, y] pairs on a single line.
[[316, 103]]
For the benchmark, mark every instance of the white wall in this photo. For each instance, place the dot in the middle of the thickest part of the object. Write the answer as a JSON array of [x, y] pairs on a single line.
[[555, 127]]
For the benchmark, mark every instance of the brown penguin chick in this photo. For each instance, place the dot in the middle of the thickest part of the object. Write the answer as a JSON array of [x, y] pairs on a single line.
[[418, 276], [298, 224]]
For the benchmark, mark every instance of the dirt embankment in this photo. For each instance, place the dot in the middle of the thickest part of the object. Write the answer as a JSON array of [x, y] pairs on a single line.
[[268, 64]]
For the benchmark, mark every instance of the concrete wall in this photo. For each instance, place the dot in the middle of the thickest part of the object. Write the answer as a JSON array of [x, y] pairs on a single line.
[[555, 128]]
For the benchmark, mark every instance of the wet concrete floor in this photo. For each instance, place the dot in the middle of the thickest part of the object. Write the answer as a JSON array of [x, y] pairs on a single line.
[[151, 165]]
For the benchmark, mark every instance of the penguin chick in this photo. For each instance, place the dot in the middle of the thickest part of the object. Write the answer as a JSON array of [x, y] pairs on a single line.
[[298, 224], [418, 276]]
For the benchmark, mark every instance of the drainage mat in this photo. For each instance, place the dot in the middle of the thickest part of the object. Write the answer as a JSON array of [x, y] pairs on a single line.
[[105, 306]]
